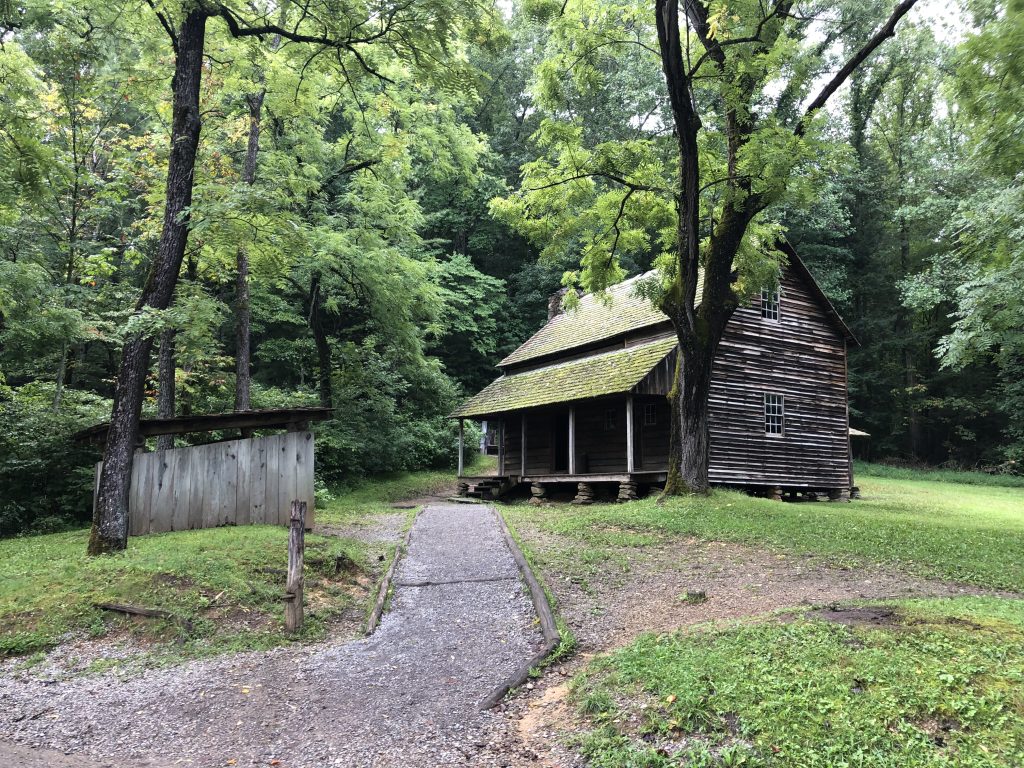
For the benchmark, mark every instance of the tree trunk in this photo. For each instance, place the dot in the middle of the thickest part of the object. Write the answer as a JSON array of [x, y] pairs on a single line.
[[110, 517], [243, 309], [165, 386], [323, 346]]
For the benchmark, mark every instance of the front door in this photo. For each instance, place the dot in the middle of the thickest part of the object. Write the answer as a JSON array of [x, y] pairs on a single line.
[[560, 444]]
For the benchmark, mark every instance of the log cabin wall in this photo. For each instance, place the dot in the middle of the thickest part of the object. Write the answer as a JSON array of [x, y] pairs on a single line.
[[601, 436], [513, 444], [539, 432], [652, 417], [801, 357]]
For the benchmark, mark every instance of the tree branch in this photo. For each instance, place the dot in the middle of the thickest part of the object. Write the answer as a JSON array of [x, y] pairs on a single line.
[[886, 31]]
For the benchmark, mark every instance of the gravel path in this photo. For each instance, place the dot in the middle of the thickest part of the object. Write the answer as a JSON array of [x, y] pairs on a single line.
[[459, 623]]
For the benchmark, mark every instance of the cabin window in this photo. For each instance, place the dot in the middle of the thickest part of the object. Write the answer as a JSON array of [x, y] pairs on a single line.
[[770, 304], [609, 419], [774, 414], [650, 414]]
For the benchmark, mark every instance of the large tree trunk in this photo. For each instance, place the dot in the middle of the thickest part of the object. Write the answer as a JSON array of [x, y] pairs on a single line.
[[323, 345], [165, 385], [110, 517], [243, 310]]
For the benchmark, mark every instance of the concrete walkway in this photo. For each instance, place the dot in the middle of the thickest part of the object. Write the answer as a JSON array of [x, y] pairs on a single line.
[[460, 622]]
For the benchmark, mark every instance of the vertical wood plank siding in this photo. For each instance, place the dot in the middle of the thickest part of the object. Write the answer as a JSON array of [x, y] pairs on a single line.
[[236, 482], [801, 357]]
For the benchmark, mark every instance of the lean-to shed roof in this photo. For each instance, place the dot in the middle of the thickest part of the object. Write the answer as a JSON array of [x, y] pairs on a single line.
[[610, 373]]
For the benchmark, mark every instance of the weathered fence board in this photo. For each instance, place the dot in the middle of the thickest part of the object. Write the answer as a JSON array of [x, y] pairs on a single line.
[[236, 482]]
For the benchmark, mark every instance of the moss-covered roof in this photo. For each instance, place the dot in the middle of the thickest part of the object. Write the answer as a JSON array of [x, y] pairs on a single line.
[[610, 373], [618, 311]]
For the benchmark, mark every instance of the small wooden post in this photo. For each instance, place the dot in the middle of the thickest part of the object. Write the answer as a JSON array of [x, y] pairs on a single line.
[[501, 448], [572, 441], [522, 448], [461, 446], [629, 434], [296, 552]]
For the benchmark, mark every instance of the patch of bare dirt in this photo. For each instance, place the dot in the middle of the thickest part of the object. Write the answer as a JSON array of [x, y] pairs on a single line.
[[655, 592]]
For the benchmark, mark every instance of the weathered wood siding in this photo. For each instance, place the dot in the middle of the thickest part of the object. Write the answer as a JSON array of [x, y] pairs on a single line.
[[800, 356], [600, 449], [513, 445], [652, 453], [236, 482], [539, 433]]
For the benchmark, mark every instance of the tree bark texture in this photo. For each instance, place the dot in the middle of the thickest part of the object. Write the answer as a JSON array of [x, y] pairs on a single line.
[[165, 385], [110, 517], [322, 343], [243, 308]]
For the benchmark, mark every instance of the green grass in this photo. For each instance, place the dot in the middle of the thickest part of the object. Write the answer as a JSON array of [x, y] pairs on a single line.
[[374, 495], [943, 685], [227, 582], [970, 533], [862, 469]]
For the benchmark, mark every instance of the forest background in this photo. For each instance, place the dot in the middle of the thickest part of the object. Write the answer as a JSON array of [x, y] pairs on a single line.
[[391, 251]]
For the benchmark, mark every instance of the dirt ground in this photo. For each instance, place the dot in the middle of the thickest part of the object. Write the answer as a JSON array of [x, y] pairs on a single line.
[[654, 592], [615, 607]]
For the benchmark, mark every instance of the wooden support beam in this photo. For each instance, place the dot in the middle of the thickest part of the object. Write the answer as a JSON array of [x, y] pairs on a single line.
[[461, 444], [629, 434], [572, 441], [522, 449], [296, 555], [501, 447]]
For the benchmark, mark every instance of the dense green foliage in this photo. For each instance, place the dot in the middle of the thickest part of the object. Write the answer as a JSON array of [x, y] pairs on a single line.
[[402, 235], [935, 684]]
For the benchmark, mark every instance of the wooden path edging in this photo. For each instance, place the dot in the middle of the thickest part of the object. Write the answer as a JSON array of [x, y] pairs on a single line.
[[385, 584], [547, 622]]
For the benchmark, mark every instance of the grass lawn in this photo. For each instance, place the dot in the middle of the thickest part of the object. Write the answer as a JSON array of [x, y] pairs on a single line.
[[965, 532], [226, 582], [939, 683]]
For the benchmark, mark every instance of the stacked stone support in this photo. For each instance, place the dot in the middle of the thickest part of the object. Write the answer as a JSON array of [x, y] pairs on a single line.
[[584, 494], [538, 494], [627, 490]]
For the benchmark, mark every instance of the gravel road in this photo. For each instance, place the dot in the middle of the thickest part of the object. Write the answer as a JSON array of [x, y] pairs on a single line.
[[460, 622]]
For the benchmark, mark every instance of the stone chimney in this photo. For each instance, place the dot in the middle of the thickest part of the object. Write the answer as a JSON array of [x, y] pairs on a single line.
[[555, 303]]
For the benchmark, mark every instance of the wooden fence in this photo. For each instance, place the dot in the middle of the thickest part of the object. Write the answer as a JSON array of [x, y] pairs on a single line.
[[236, 482]]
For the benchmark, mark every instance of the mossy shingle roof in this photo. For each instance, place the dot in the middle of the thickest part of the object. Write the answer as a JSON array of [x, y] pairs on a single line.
[[610, 373], [618, 311]]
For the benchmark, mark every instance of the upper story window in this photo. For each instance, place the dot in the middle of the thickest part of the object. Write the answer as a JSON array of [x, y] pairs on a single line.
[[774, 414], [770, 304], [650, 414]]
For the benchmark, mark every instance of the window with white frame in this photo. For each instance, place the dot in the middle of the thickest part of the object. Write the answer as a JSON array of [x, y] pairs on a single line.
[[770, 304], [774, 414], [610, 420], [650, 414]]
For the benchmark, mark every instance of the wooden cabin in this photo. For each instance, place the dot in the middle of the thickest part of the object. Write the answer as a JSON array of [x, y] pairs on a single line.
[[584, 399]]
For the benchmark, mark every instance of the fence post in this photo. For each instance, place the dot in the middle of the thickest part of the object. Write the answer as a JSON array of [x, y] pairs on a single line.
[[296, 551]]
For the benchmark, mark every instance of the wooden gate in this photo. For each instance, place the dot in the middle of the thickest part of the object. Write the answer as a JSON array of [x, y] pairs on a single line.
[[236, 482]]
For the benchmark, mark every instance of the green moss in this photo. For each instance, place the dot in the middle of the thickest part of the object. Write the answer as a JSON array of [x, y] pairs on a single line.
[[607, 374], [596, 317]]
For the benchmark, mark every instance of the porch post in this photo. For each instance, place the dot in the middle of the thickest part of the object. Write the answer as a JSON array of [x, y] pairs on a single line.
[[629, 434], [461, 446], [501, 447], [572, 441], [522, 449]]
